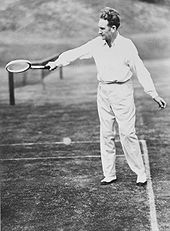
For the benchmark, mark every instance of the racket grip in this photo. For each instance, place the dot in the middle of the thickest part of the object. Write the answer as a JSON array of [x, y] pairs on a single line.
[[47, 67]]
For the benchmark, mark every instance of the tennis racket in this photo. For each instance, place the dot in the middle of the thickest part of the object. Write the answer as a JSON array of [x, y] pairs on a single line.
[[21, 65]]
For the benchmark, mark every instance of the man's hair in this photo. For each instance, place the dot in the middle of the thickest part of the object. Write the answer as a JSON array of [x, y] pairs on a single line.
[[111, 15]]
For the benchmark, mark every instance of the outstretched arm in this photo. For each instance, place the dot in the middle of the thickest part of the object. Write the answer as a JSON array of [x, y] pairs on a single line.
[[69, 56]]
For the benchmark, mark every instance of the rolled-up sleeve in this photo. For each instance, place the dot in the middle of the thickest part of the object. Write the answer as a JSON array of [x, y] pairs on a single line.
[[82, 52], [138, 68]]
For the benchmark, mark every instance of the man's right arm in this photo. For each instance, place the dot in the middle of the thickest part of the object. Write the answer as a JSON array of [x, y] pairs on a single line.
[[69, 56]]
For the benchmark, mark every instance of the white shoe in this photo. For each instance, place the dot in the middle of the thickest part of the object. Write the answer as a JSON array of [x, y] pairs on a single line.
[[108, 179], [141, 178]]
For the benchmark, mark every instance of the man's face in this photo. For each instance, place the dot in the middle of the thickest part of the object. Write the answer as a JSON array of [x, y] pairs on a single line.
[[104, 30]]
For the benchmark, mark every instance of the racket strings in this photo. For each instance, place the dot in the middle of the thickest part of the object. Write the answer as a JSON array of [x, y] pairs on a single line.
[[18, 66]]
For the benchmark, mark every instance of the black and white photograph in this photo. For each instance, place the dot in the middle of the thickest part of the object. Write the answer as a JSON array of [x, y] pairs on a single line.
[[84, 115]]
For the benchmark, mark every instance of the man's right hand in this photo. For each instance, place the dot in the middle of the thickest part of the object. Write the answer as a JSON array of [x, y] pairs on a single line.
[[52, 66]]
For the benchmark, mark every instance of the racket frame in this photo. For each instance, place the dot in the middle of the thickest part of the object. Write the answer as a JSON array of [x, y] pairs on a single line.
[[30, 66]]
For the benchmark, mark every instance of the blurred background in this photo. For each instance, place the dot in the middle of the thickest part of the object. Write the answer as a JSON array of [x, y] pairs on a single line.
[[37, 29]]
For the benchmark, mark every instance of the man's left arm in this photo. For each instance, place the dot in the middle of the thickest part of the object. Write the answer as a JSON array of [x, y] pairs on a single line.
[[161, 102], [138, 68]]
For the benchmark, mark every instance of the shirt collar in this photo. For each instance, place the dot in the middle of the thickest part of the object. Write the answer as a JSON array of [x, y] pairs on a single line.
[[114, 42]]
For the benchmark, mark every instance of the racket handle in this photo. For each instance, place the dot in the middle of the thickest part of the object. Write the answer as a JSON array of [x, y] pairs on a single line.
[[40, 67], [47, 67]]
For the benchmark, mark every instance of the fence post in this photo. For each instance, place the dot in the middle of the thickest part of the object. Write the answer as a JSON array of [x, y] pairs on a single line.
[[11, 88], [61, 72], [43, 74], [24, 79]]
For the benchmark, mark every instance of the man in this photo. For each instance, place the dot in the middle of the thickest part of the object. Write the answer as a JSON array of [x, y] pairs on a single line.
[[116, 60]]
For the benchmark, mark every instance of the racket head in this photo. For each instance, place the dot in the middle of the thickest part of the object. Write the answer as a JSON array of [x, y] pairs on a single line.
[[17, 66]]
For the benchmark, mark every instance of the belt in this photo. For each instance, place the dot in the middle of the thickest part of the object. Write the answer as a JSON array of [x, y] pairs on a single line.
[[113, 82]]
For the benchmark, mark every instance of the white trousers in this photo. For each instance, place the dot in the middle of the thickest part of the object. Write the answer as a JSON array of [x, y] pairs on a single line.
[[116, 103]]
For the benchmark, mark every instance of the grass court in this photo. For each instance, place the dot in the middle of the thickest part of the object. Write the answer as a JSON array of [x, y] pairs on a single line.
[[49, 186]]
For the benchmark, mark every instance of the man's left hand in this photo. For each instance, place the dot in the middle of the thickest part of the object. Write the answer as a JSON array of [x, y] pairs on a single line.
[[161, 102]]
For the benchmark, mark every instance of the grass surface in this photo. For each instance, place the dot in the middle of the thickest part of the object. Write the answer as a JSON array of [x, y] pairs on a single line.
[[64, 193]]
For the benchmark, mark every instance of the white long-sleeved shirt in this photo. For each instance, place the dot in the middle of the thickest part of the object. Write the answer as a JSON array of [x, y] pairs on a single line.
[[116, 63]]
